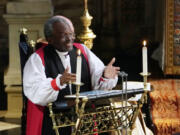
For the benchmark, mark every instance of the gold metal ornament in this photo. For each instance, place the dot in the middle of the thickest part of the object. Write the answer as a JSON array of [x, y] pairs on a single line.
[[23, 31], [32, 44], [87, 35]]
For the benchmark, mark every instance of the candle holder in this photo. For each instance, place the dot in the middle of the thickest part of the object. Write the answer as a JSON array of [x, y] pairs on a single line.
[[145, 76], [78, 85]]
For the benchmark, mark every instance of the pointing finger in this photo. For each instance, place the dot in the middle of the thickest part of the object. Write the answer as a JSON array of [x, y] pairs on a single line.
[[117, 68], [112, 62]]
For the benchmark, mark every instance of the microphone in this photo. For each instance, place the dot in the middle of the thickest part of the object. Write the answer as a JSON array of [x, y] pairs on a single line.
[[122, 74]]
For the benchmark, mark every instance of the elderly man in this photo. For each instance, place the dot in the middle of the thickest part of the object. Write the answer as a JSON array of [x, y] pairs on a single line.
[[49, 70]]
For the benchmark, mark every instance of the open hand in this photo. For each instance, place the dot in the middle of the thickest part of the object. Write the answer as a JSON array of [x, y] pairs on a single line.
[[110, 72], [67, 77]]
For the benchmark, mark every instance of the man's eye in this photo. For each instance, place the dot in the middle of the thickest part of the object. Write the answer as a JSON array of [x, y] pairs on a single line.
[[67, 34]]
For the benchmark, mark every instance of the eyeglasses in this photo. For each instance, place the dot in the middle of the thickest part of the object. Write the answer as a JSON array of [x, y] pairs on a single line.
[[66, 35]]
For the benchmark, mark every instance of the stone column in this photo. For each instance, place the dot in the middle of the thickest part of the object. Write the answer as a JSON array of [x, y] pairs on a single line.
[[30, 14]]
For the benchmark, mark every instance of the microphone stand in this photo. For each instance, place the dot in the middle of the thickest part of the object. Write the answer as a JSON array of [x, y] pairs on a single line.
[[124, 77]]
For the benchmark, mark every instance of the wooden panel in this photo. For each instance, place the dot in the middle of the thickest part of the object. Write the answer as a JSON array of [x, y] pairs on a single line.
[[172, 38]]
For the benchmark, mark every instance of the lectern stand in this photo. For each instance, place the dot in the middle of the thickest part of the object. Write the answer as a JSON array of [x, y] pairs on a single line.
[[95, 114]]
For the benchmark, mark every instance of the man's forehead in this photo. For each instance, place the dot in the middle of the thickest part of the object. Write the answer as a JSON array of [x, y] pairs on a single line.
[[62, 26], [65, 20]]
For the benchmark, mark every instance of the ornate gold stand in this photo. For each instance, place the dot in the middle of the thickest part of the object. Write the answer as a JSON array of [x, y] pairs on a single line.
[[145, 76], [78, 85], [87, 35], [143, 98], [63, 120], [102, 118]]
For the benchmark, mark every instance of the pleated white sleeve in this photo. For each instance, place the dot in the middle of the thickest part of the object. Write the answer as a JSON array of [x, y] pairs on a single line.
[[96, 70], [37, 87]]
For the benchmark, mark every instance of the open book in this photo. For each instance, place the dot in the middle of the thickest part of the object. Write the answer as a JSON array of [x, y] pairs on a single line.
[[136, 85]]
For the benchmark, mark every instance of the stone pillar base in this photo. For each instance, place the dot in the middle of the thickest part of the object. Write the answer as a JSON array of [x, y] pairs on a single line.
[[14, 102]]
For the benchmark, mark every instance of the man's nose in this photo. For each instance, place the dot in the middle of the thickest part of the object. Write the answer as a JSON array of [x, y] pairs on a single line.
[[68, 38]]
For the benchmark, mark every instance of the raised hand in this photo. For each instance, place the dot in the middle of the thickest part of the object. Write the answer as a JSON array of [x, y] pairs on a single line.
[[110, 72], [67, 77]]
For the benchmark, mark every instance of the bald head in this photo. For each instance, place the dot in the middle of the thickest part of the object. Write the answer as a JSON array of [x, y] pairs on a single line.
[[48, 27]]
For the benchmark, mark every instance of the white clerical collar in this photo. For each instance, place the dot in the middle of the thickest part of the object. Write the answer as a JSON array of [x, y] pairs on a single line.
[[62, 53]]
